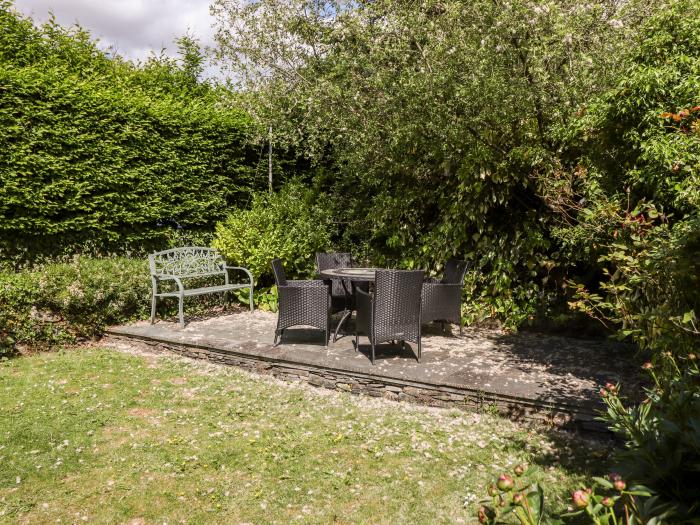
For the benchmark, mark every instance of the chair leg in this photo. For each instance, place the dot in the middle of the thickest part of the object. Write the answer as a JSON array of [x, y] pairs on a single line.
[[274, 341], [372, 343], [419, 349], [181, 312], [461, 326], [357, 341], [153, 309], [250, 296]]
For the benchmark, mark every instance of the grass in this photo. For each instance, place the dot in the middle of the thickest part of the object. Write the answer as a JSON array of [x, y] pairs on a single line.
[[100, 436]]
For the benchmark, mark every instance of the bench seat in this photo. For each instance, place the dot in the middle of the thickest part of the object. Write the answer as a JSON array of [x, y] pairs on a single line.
[[205, 290]]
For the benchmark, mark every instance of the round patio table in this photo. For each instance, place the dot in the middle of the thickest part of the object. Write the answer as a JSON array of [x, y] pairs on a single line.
[[354, 275], [351, 274]]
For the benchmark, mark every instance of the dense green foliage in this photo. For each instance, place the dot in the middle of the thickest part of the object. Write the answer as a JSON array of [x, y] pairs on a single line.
[[638, 177], [638, 174], [95, 150], [437, 118], [288, 224], [60, 303]]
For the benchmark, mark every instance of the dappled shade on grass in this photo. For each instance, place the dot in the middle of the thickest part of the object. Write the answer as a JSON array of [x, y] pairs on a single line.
[[110, 437]]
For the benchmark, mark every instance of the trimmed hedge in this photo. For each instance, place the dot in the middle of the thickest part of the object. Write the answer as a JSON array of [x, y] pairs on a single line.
[[62, 303], [97, 151]]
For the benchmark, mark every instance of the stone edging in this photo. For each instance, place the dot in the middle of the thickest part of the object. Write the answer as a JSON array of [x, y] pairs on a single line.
[[377, 386]]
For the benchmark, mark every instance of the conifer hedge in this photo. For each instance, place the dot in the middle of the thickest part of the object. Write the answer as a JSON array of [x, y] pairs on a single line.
[[97, 151]]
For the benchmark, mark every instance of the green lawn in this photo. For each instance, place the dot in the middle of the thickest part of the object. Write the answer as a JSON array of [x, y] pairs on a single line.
[[99, 436]]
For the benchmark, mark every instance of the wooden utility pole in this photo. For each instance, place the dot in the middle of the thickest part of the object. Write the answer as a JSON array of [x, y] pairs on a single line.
[[269, 162]]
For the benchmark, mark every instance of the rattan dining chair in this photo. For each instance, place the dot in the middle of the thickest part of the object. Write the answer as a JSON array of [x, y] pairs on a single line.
[[340, 291], [393, 311], [300, 303], [442, 300]]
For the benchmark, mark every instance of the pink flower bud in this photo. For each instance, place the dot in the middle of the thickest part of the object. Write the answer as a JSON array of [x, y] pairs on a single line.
[[505, 482], [485, 514], [518, 498], [619, 484], [520, 469], [580, 499], [611, 388], [607, 501]]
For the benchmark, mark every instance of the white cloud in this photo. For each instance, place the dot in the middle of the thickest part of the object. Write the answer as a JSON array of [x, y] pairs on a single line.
[[135, 28]]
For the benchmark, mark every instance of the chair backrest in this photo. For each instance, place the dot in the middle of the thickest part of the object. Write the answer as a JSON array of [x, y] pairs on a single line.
[[397, 297], [455, 271], [330, 261], [278, 269], [189, 261]]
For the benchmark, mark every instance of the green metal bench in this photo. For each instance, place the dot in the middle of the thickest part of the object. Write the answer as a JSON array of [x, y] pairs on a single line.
[[191, 262]]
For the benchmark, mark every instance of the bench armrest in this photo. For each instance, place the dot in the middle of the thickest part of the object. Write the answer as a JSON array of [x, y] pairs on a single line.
[[155, 278], [250, 275]]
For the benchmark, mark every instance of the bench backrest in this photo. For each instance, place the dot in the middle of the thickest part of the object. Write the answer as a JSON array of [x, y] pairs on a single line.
[[190, 261]]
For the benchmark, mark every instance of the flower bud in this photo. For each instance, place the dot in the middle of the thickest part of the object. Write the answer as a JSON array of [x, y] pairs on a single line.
[[518, 498], [485, 514], [505, 482], [492, 490], [617, 481], [607, 501], [580, 499], [611, 388], [647, 366], [692, 356], [520, 469]]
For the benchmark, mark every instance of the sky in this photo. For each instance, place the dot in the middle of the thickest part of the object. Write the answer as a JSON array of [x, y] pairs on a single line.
[[133, 27]]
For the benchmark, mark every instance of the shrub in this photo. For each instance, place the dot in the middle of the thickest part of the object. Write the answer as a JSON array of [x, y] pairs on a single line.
[[662, 435], [290, 224], [63, 302], [630, 204]]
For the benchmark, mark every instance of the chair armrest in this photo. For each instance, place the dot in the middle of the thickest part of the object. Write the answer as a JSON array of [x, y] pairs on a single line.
[[365, 313], [155, 278], [441, 290], [309, 283], [247, 272]]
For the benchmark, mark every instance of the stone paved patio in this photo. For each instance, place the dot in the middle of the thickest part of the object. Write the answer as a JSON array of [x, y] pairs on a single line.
[[550, 373]]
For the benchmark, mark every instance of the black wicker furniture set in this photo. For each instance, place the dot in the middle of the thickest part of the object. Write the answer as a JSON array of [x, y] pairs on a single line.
[[390, 305]]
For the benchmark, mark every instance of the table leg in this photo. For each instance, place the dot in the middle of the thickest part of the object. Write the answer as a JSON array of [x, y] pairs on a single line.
[[346, 316]]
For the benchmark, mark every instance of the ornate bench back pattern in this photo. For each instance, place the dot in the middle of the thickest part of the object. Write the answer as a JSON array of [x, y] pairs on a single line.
[[192, 261]]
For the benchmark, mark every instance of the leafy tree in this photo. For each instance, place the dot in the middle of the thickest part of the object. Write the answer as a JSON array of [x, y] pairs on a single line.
[[435, 119]]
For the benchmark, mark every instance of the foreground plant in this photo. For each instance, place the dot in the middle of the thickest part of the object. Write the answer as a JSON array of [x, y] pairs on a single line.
[[611, 502], [516, 496], [662, 434]]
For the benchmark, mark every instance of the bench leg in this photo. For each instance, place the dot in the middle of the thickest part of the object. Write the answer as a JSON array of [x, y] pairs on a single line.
[[181, 313], [153, 309], [252, 306]]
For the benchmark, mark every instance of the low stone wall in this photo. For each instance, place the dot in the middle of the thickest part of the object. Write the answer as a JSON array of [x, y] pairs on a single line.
[[389, 388]]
